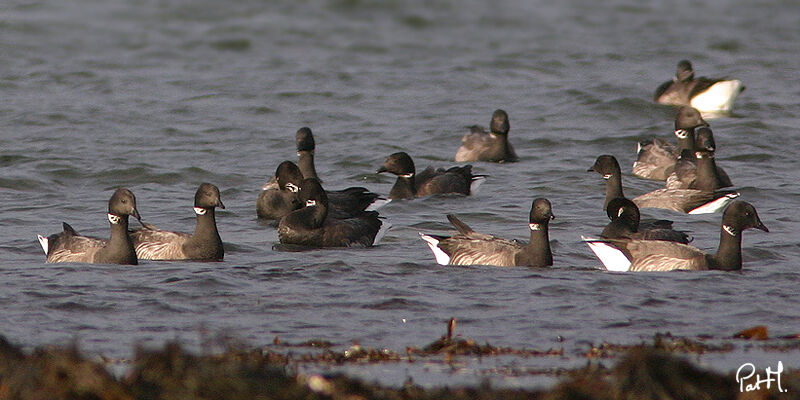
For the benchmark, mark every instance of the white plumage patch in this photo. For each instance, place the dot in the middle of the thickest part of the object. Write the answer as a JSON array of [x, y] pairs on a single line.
[[311, 203], [476, 184], [44, 242], [611, 257], [377, 204], [441, 257], [114, 219], [200, 210], [719, 97], [385, 226], [715, 206]]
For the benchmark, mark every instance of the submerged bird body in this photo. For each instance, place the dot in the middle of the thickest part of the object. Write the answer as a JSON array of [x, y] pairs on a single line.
[[409, 184], [69, 246], [204, 244], [472, 248], [492, 146]]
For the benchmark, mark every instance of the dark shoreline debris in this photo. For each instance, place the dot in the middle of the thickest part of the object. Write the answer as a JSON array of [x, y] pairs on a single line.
[[642, 371]]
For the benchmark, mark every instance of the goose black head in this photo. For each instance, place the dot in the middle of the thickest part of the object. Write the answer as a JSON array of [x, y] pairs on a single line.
[[741, 215], [400, 164], [500, 122], [207, 196], [305, 139], [606, 165], [289, 176], [312, 194], [123, 203], [704, 140], [689, 118], [625, 209], [541, 213], [684, 71]]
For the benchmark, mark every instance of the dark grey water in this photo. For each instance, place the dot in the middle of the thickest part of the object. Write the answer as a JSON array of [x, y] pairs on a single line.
[[160, 96]]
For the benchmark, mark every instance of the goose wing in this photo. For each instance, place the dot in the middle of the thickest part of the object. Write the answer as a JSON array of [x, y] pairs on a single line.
[[691, 201], [702, 84], [69, 246], [156, 244], [660, 90], [356, 231], [659, 255], [472, 144], [479, 249], [453, 180], [654, 160], [350, 202]]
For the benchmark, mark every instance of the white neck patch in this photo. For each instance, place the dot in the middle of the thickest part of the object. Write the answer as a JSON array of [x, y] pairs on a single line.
[[292, 187], [701, 154], [607, 176], [311, 203], [682, 133], [114, 219], [200, 210], [620, 212], [728, 229], [407, 175], [535, 227]]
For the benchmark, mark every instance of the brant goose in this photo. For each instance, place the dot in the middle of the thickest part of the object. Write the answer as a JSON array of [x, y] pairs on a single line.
[[276, 201], [472, 248], [659, 255], [625, 224], [409, 184], [344, 202], [656, 160], [704, 94], [479, 145], [205, 244], [281, 199], [689, 201], [69, 246], [311, 226], [690, 165]]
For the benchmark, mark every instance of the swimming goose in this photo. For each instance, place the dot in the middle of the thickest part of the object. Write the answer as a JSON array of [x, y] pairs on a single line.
[[409, 184], [479, 145], [69, 246], [704, 94], [686, 170], [655, 160], [204, 244], [689, 201], [472, 248], [311, 226], [658, 255], [625, 223], [279, 200], [344, 202]]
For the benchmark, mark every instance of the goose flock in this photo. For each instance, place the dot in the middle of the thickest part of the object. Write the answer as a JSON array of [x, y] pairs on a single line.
[[310, 216]]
